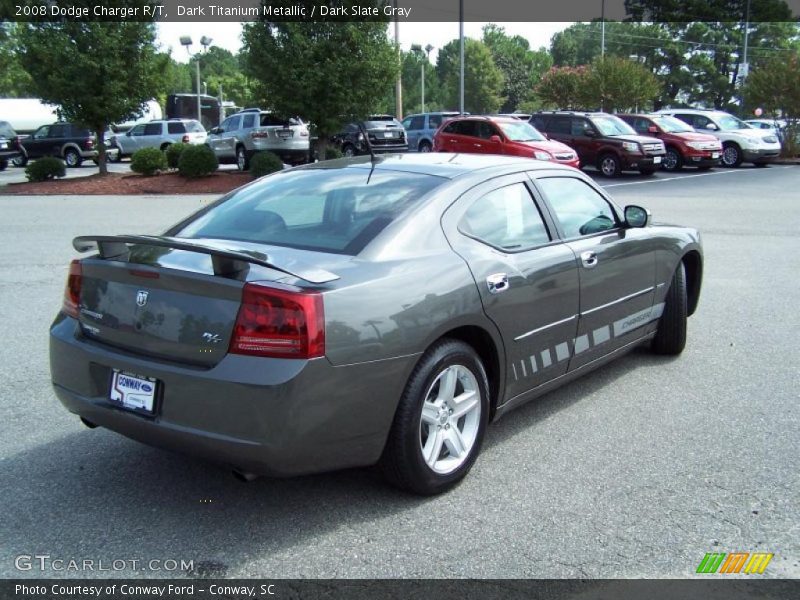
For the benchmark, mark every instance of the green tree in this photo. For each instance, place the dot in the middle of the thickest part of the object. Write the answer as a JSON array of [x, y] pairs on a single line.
[[326, 72], [14, 80], [617, 84], [413, 63], [564, 88], [522, 67], [775, 87], [97, 72], [483, 81]]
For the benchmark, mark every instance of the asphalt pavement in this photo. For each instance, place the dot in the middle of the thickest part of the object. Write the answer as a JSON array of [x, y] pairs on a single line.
[[636, 470]]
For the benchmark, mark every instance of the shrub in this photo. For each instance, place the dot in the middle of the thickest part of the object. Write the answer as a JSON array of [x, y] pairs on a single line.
[[48, 167], [196, 161], [332, 153], [264, 163], [173, 153], [148, 161]]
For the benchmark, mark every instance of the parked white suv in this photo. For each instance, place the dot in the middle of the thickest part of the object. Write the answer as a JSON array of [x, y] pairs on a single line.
[[740, 142], [160, 134]]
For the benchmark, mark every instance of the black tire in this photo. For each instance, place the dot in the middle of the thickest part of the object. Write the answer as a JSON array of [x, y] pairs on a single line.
[[731, 155], [20, 161], [73, 158], [609, 166], [164, 147], [242, 162], [671, 333], [425, 147], [349, 150], [114, 157], [3, 165], [672, 161], [402, 462]]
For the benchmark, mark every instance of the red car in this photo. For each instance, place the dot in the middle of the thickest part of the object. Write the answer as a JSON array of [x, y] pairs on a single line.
[[501, 135], [685, 146]]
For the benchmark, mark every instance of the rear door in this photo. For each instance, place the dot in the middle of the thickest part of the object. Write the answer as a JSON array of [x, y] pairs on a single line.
[[616, 267], [527, 278]]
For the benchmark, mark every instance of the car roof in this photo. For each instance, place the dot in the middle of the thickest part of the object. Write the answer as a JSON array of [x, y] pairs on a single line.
[[439, 164]]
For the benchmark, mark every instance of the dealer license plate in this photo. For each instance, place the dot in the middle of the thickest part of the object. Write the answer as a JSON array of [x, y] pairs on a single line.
[[656, 160], [133, 392], [715, 155]]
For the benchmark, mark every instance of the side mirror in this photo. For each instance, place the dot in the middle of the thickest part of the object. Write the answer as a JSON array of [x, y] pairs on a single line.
[[589, 132], [711, 127], [216, 130], [128, 133], [636, 216], [495, 139], [652, 129]]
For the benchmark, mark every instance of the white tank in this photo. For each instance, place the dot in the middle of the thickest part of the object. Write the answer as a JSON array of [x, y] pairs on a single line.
[[27, 114]]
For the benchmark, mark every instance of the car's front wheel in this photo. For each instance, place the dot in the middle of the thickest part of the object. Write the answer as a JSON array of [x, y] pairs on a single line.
[[440, 420], [670, 336], [424, 147], [673, 161], [609, 165], [20, 161], [731, 155], [349, 150]]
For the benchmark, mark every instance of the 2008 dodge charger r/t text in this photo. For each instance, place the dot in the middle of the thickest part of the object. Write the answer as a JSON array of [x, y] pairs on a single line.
[[364, 311]]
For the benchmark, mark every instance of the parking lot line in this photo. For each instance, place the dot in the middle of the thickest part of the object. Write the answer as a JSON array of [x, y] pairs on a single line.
[[696, 175]]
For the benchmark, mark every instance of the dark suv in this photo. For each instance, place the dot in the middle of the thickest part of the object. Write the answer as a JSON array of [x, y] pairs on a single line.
[[73, 143], [9, 144], [603, 140], [386, 134]]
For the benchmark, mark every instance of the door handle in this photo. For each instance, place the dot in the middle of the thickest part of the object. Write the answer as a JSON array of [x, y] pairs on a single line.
[[497, 283], [589, 259]]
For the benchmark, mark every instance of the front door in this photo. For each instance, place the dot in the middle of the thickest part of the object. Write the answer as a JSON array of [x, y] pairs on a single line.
[[616, 266], [527, 279]]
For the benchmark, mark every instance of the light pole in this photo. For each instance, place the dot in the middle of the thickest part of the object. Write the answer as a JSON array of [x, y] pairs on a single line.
[[428, 49], [461, 56], [205, 41]]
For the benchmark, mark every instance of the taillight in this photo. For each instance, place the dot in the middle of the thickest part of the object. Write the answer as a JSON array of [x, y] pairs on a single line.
[[279, 323], [72, 292], [259, 133], [303, 132], [185, 139], [89, 144]]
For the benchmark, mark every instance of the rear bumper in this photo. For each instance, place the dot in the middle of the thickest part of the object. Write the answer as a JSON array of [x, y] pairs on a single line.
[[292, 156], [278, 417], [9, 154]]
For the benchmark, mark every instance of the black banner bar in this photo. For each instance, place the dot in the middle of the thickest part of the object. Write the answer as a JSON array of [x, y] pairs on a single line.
[[711, 588]]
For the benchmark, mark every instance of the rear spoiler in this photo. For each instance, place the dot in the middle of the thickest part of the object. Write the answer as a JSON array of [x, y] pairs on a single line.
[[227, 262]]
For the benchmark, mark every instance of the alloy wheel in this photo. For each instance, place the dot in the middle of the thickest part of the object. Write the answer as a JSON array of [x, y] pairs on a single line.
[[730, 156], [450, 419]]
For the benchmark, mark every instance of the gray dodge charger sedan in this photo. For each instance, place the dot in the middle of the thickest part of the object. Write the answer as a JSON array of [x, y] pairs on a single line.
[[362, 311]]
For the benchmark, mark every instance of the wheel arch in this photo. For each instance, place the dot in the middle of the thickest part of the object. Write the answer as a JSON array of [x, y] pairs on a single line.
[[693, 264]]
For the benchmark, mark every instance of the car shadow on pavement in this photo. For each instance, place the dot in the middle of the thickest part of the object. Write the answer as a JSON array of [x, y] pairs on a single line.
[[97, 495]]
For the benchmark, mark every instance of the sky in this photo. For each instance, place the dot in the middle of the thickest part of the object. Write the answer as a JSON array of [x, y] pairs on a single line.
[[226, 35]]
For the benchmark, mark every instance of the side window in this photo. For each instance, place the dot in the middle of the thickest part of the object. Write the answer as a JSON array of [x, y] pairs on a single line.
[[434, 121], [407, 123], [452, 127], [58, 131], [226, 124], [137, 130], [506, 218], [152, 129], [176, 127], [688, 119], [249, 121], [417, 122], [641, 125], [538, 122], [484, 130], [700, 121], [560, 125], [467, 128], [42, 132], [578, 207], [580, 127]]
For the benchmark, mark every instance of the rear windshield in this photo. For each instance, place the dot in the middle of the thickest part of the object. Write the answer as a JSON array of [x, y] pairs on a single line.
[[271, 120], [194, 127], [337, 211], [6, 130], [382, 124]]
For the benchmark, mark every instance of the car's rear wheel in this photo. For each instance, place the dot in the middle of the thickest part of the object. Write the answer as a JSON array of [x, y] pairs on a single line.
[[72, 158], [440, 421], [670, 336], [164, 147], [609, 165], [673, 161], [425, 147], [3, 165], [349, 150], [20, 161], [731, 155], [241, 159]]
